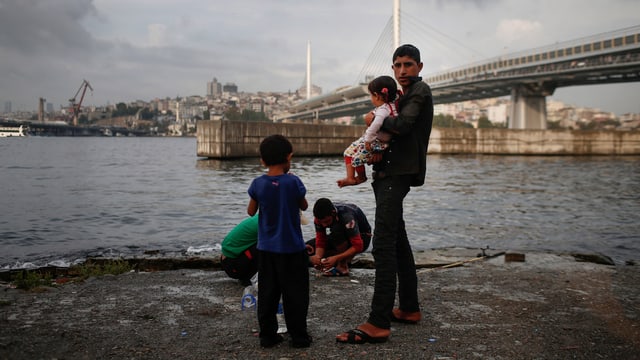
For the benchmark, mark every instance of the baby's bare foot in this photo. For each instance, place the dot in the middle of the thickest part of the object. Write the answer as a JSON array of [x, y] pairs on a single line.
[[347, 182]]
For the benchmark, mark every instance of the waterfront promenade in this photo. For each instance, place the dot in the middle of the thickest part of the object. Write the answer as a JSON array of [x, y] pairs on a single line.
[[548, 307]]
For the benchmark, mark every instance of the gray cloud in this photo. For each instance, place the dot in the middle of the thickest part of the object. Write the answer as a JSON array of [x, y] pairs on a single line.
[[40, 27]]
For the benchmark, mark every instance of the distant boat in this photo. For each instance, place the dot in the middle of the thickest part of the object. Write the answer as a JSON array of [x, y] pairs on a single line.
[[10, 131]]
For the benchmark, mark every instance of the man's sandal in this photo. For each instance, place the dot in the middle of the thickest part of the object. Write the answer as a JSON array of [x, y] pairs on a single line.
[[357, 336], [335, 272]]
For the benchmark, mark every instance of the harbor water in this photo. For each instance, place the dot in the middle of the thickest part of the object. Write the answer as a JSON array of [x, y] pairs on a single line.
[[67, 198]]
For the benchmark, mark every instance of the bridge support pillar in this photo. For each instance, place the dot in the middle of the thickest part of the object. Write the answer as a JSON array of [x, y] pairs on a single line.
[[528, 108]]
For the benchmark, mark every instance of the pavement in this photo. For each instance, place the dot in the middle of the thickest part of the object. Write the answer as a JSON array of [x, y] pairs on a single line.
[[511, 306]]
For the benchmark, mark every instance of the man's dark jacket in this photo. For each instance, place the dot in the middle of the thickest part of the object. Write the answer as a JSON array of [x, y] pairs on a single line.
[[407, 151]]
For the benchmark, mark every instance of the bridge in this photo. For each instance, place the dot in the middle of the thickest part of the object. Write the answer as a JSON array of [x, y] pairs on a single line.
[[527, 76]]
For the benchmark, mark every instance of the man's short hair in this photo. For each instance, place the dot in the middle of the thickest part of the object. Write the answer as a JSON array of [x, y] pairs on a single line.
[[274, 150], [323, 208], [407, 50]]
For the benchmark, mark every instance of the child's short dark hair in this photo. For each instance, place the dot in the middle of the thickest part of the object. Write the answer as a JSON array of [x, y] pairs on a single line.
[[323, 208], [385, 86], [274, 150], [407, 50]]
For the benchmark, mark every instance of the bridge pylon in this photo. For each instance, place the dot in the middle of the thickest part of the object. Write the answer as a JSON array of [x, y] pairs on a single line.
[[529, 106]]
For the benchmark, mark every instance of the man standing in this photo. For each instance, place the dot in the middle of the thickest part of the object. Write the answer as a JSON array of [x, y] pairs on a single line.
[[349, 234], [403, 165]]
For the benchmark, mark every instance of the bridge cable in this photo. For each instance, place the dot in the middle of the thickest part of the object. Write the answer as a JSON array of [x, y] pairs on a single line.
[[379, 60], [423, 27]]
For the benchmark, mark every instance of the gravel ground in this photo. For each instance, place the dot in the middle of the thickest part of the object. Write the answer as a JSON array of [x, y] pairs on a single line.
[[548, 307]]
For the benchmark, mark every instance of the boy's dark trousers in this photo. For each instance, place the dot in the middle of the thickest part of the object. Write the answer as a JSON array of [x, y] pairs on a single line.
[[286, 275]]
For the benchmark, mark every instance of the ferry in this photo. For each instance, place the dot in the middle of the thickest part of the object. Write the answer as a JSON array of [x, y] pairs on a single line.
[[9, 131]]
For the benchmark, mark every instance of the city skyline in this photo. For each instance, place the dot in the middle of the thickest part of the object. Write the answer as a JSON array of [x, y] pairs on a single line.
[[139, 50]]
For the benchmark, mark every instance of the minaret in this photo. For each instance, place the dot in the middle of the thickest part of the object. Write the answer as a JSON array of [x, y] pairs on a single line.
[[308, 70]]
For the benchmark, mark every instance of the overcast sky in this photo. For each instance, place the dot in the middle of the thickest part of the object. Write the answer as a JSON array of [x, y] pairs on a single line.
[[143, 49]]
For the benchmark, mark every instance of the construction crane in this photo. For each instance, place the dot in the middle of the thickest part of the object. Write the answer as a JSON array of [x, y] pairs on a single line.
[[75, 107]]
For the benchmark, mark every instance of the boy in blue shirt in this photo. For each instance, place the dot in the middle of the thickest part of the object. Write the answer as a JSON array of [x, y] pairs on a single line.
[[282, 258]]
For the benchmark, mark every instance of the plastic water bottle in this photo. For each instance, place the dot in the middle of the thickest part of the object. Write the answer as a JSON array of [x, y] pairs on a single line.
[[282, 325], [249, 298], [250, 294]]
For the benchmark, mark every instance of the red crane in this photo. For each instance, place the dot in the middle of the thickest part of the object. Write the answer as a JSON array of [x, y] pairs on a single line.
[[75, 108]]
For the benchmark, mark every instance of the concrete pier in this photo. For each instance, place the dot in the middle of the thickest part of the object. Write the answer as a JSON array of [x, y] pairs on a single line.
[[529, 110], [234, 139]]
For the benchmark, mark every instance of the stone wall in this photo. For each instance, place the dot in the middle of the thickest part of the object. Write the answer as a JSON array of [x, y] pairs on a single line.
[[534, 142], [232, 139]]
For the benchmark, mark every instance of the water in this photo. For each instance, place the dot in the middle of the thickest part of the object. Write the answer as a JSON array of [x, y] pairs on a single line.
[[66, 198]]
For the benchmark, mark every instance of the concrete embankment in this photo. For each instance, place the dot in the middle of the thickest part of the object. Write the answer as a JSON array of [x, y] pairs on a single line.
[[232, 139]]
